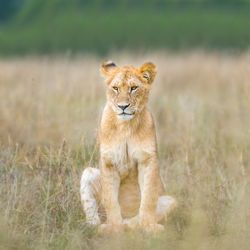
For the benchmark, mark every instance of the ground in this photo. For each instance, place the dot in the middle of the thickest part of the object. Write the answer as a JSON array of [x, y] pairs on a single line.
[[49, 110]]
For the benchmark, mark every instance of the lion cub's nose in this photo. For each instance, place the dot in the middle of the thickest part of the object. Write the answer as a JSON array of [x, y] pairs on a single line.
[[123, 106]]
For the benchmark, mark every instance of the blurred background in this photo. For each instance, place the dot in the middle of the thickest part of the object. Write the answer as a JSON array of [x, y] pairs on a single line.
[[99, 26]]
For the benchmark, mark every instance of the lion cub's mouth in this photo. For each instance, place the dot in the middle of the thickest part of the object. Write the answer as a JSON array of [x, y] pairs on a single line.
[[125, 116]]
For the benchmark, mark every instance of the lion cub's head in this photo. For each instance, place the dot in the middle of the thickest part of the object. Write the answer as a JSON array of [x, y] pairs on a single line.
[[128, 87]]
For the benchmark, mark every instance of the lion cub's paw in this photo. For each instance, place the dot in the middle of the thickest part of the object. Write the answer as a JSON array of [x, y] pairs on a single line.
[[132, 223], [110, 228], [153, 228]]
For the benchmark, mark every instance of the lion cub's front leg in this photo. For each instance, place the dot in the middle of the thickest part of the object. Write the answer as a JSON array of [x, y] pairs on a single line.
[[149, 186], [110, 181]]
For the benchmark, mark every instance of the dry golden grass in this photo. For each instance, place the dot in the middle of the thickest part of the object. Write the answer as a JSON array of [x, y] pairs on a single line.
[[49, 110]]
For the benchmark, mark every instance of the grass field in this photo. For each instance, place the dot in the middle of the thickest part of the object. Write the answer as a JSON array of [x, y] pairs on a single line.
[[49, 110]]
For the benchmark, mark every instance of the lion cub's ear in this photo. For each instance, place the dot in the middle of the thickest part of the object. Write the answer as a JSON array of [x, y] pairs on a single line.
[[107, 68], [148, 71]]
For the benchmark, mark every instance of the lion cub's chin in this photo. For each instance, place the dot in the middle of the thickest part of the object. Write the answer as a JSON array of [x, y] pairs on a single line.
[[125, 117]]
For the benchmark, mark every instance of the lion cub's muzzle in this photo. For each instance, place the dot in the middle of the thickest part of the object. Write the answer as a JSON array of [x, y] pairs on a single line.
[[124, 111]]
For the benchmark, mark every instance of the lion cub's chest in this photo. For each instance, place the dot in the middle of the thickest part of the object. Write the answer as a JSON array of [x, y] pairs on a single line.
[[122, 156]]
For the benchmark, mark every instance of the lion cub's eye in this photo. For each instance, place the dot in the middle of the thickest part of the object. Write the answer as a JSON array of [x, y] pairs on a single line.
[[115, 88], [133, 88]]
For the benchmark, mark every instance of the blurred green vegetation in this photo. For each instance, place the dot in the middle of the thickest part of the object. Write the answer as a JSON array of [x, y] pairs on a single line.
[[56, 26]]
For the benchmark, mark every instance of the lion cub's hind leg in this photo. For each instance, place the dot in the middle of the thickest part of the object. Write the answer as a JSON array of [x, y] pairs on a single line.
[[90, 190], [165, 205]]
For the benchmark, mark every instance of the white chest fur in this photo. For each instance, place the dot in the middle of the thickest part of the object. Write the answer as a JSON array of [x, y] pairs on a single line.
[[121, 156], [125, 155]]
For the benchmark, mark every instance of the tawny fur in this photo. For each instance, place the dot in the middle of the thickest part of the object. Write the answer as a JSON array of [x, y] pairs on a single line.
[[128, 186]]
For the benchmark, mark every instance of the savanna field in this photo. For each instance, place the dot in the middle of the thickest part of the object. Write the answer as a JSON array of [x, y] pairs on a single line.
[[49, 111]]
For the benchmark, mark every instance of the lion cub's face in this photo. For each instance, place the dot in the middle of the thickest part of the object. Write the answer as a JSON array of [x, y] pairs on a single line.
[[128, 87]]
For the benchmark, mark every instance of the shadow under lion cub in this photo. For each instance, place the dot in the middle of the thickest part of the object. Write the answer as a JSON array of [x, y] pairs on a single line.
[[126, 192]]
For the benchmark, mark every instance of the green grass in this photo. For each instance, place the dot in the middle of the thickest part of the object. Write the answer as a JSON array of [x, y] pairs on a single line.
[[106, 30], [50, 109]]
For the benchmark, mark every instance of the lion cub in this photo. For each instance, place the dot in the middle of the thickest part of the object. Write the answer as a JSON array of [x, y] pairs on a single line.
[[127, 191]]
